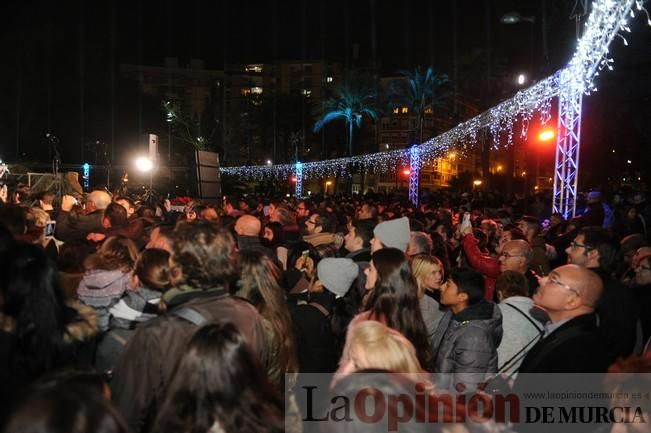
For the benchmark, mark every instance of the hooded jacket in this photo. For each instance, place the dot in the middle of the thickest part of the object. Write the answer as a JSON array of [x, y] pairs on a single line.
[[465, 344], [101, 290]]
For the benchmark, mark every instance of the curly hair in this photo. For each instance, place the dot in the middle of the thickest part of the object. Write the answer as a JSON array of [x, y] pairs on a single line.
[[205, 254]]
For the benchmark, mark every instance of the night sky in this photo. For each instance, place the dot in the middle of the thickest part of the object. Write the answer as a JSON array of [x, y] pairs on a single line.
[[61, 61]]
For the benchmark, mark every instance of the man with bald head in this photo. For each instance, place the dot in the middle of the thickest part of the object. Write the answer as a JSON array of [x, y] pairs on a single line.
[[248, 230], [516, 256], [73, 227], [572, 342]]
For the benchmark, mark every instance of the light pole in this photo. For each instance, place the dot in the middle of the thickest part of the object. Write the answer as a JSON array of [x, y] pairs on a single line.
[[516, 18], [521, 80]]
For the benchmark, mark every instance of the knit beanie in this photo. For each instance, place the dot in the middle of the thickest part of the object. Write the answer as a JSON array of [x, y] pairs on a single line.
[[337, 275], [393, 233]]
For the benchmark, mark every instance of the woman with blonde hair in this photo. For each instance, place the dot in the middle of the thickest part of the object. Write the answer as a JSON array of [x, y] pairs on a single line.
[[372, 345], [428, 272]]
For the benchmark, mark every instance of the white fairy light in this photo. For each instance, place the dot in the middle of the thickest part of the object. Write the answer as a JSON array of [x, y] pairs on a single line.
[[607, 18]]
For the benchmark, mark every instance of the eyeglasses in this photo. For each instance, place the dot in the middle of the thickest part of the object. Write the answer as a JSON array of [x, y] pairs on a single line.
[[554, 280], [507, 255], [578, 245]]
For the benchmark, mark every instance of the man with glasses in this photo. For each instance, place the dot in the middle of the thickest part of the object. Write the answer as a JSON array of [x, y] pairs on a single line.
[[594, 249], [319, 228], [302, 212], [516, 256], [572, 342]]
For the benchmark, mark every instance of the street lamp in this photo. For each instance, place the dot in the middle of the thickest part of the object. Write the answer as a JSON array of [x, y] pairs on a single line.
[[515, 18], [144, 164], [511, 18], [521, 79]]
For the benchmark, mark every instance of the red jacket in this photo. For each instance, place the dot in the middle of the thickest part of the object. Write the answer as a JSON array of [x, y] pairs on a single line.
[[481, 262]]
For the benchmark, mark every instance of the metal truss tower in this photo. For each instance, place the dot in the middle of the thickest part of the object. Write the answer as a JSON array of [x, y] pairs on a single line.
[[299, 179], [568, 142], [414, 173]]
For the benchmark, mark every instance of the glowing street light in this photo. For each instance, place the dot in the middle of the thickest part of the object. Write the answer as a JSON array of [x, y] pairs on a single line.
[[268, 162], [546, 135], [406, 172], [476, 182], [521, 79], [144, 164]]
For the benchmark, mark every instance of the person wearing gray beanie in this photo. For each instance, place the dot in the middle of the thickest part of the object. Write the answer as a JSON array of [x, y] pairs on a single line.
[[392, 233], [337, 275]]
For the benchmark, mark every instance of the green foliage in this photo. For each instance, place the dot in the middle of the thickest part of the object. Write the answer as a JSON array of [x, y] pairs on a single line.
[[353, 100], [419, 90]]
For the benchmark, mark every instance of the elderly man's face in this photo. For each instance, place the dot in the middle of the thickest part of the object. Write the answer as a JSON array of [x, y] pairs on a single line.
[[557, 290], [511, 258]]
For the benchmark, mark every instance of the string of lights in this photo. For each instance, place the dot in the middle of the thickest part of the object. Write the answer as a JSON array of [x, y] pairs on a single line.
[[608, 19]]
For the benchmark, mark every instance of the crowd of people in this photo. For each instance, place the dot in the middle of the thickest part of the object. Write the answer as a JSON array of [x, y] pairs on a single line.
[[118, 315]]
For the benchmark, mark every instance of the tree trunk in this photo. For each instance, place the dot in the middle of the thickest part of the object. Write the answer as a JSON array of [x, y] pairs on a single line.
[[350, 139]]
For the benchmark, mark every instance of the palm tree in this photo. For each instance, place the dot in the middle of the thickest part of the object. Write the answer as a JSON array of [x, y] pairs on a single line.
[[351, 102], [419, 91]]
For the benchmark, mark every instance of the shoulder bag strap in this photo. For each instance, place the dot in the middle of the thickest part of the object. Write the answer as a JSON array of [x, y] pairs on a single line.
[[535, 325], [526, 346], [191, 315], [321, 308]]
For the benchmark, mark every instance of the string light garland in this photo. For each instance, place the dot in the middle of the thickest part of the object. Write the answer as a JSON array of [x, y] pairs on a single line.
[[607, 19]]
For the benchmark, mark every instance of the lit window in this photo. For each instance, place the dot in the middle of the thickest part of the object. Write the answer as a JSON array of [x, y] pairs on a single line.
[[329, 79], [404, 110], [307, 93], [428, 110], [396, 110], [256, 90], [245, 91], [253, 68]]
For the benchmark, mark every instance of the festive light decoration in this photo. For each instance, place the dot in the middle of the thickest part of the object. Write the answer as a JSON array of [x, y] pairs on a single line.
[[607, 19], [86, 175], [299, 179], [414, 174]]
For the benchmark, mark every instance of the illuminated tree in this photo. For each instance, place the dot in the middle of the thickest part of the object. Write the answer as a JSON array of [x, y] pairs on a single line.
[[352, 101], [420, 91]]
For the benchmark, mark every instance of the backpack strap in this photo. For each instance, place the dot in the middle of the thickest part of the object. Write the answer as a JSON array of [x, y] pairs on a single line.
[[535, 325], [191, 315], [321, 308], [522, 351]]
